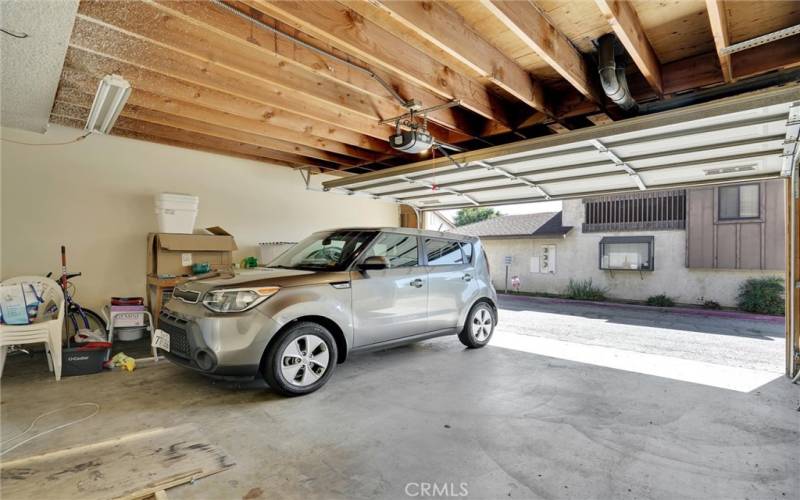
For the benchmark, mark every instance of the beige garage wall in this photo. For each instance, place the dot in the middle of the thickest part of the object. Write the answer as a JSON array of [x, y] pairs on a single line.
[[96, 197]]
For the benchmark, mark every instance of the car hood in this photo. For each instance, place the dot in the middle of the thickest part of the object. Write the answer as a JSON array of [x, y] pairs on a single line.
[[267, 277]]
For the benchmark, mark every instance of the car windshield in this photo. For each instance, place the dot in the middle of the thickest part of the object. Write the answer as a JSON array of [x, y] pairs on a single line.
[[329, 251]]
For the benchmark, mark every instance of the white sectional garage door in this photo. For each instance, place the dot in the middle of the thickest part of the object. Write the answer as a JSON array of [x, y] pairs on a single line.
[[730, 140]]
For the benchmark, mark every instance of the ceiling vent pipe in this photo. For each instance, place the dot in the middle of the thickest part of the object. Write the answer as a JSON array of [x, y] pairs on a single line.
[[612, 75]]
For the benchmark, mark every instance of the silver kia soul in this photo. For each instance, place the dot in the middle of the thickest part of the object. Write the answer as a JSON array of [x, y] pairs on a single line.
[[334, 293]]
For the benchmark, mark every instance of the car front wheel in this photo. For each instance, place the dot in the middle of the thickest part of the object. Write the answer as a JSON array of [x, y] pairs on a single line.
[[479, 326], [301, 359]]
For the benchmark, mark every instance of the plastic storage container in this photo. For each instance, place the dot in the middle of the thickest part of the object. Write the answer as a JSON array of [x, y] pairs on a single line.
[[83, 360], [176, 212]]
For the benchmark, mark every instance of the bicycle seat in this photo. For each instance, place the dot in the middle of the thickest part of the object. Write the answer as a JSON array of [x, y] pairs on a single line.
[[72, 275]]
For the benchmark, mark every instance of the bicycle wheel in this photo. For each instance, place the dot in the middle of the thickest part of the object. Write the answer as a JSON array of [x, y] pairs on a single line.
[[74, 321]]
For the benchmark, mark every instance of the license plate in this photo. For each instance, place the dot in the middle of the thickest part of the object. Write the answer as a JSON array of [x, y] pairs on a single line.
[[160, 340]]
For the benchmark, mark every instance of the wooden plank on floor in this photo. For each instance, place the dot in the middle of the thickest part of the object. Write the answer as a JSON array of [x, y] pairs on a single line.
[[128, 466]]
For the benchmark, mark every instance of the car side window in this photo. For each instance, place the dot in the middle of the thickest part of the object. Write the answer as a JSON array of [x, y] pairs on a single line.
[[400, 249], [466, 247], [443, 252]]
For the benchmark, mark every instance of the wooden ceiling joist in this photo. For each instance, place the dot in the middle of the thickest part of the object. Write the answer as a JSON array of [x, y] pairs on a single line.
[[528, 23], [75, 123], [158, 120], [781, 54], [718, 18], [165, 135], [626, 25], [81, 64], [209, 17], [160, 26], [204, 147], [80, 82], [444, 27], [137, 31], [114, 44], [295, 152], [251, 78], [349, 31]]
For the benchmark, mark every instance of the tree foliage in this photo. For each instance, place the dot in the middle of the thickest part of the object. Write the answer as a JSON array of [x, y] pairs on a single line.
[[470, 215]]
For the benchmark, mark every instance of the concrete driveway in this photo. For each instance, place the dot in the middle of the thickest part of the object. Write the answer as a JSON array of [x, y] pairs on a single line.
[[721, 338], [504, 422]]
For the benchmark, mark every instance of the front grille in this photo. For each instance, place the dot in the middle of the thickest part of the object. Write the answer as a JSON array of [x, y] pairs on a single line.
[[189, 296], [178, 338]]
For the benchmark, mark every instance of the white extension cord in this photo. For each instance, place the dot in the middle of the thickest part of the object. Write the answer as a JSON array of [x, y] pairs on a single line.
[[48, 431]]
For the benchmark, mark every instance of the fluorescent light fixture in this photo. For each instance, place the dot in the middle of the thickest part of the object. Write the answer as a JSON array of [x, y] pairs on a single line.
[[728, 170], [112, 93]]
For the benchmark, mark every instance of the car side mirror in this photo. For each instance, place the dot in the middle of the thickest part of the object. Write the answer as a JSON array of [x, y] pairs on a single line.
[[374, 262]]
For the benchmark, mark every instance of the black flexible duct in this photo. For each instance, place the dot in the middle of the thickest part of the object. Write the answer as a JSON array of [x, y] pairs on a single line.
[[612, 76]]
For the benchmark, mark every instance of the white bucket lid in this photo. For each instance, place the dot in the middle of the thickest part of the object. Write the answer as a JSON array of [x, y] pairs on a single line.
[[168, 210], [179, 197]]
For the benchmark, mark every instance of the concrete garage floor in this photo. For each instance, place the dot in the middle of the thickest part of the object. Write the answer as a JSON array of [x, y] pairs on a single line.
[[507, 423]]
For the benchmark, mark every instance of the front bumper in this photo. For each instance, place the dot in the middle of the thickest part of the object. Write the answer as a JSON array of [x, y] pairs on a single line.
[[217, 346]]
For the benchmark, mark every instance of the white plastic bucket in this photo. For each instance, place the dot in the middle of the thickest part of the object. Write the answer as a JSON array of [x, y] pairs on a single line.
[[176, 212]]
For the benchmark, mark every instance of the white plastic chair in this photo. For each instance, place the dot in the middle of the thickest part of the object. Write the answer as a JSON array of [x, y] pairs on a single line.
[[48, 332]]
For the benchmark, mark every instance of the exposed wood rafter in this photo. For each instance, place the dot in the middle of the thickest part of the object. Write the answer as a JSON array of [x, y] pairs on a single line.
[[718, 19], [259, 43], [444, 27], [528, 23], [88, 67], [77, 83], [307, 84], [349, 31]]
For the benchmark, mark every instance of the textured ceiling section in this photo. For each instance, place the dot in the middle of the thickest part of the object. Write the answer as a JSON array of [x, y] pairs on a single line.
[[30, 66]]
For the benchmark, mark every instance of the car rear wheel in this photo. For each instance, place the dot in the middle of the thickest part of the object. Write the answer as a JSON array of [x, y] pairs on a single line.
[[301, 360], [479, 326]]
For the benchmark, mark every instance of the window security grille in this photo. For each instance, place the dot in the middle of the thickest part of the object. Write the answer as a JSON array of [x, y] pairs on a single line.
[[636, 211]]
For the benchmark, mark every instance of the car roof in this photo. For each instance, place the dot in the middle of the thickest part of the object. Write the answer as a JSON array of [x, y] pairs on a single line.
[[412, 231]]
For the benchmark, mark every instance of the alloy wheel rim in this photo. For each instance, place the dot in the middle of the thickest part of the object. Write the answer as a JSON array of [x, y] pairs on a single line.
[[482, 325], [305, 360]]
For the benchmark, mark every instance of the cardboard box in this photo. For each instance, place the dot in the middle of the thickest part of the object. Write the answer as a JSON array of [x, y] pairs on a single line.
[[171, 253]]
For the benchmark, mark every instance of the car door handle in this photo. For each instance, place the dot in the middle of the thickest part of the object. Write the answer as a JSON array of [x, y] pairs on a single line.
[[467, 277], [417, 283]]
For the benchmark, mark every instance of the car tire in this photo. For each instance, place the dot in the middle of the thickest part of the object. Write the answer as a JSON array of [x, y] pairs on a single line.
[[288, 366], [479, 327]]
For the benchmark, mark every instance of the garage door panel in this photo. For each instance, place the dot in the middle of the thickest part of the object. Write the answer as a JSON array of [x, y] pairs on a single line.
[[691, 146]]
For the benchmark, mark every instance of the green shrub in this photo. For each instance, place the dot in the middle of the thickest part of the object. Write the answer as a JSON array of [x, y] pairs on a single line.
[[661, 300], [584, 290], [710, 304], [762, 295]]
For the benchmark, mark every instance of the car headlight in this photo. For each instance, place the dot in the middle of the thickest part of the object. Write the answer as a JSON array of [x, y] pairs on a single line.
[[237, 300]]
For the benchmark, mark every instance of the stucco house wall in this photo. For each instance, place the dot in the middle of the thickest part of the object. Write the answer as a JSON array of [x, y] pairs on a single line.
[[577, 258]]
